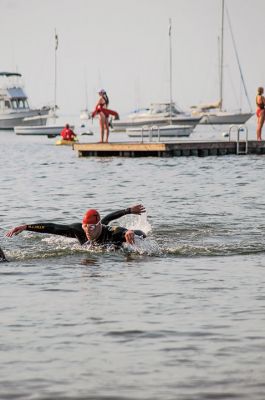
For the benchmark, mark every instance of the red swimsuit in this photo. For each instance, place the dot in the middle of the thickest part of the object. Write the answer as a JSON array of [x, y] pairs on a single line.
[[260, 107], [101, 108]]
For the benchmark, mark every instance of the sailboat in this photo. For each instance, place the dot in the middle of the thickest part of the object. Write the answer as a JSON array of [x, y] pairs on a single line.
[[50, 130], [214, 113], [166, 116]]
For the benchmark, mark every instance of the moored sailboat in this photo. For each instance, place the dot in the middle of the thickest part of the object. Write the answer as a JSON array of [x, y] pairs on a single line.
[[214, 113], [160, 114]]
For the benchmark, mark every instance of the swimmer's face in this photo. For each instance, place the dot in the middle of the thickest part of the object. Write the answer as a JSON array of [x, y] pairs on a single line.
[[92, 231]]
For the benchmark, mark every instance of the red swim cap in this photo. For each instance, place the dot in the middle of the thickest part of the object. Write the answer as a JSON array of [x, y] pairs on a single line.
[[91, 217]]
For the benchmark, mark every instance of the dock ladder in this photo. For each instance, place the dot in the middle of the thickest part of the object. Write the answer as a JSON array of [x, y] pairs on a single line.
[[151, 130], [239, 129]]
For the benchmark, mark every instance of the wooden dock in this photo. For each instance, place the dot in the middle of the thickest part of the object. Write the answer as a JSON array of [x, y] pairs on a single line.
[[169, 149]]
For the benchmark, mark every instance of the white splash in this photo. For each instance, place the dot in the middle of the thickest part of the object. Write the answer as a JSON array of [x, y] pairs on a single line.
[[132, 221], [143, 246]]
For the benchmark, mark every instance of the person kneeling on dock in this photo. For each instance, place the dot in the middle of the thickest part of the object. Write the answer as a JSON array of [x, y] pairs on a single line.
[[93, 229], [67, 133]]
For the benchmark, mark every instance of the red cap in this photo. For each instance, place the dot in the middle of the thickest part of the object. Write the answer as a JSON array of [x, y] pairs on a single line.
[[91, 217]]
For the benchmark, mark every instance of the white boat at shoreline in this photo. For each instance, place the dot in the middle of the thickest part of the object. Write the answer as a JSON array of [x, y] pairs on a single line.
[[161, 131], [214, 114], [50, 131], [14, 107]]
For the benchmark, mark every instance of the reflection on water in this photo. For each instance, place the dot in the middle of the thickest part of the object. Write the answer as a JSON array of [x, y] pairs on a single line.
[[89, 261]]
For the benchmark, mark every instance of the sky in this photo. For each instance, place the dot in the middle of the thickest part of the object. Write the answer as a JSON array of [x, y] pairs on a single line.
[[123, 47]]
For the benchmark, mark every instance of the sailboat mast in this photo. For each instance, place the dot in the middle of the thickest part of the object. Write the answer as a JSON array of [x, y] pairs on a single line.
[[170, 70], [222, 58], [55, 71]]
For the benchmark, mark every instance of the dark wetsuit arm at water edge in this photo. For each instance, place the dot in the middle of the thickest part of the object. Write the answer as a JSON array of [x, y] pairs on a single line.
[[2, 256], [115, 215], [114, 235], [73, 230]]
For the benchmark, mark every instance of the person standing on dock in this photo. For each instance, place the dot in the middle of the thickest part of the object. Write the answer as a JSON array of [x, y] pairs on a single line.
[[68, 134], [260, 101], [103, 112]]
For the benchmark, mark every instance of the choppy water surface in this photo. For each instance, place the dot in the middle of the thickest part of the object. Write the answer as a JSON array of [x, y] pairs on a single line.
[[179, 316]]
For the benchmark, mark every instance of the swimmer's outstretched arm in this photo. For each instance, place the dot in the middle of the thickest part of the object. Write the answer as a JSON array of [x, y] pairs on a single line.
[[44, 227], [138, 209]]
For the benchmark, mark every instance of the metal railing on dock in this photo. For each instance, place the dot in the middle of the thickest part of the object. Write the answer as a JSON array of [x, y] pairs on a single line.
[[150, 129], [241, 128]]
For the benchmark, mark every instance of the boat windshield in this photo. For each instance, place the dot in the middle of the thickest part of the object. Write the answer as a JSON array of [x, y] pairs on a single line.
[[20, 104], [159, 108]]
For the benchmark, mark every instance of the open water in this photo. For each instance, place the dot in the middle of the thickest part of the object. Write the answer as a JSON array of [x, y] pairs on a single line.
[[179, 316]]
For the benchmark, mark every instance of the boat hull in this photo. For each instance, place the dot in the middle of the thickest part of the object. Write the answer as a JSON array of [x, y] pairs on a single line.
[[36, 130], [121, 126], [9, 120], [225, 118]]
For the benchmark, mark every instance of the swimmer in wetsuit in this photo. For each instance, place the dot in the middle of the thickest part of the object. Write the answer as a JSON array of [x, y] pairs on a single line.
[[92, 228]]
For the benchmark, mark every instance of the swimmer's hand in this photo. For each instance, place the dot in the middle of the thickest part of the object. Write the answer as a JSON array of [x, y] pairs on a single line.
[[137, 209], [16, 230], [129, 236]]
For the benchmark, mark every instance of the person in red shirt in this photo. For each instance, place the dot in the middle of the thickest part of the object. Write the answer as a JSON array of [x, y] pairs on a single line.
[[67, 133]]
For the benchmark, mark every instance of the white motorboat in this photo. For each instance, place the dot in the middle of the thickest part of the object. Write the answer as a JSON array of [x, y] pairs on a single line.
[[214, 113], [51, 130], [14, 107], [159, 113], [161, 131]]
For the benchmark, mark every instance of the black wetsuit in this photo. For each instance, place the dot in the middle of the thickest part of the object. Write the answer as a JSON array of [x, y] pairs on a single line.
[[2, 256], [109, 235]]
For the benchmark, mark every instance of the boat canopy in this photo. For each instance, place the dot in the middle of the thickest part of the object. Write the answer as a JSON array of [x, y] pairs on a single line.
[[157, 108], [16, 93], [207, 107], [8, 74]]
